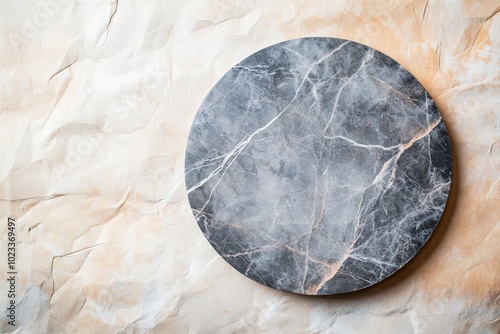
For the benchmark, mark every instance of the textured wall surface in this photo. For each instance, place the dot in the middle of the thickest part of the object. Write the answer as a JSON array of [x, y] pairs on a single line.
[[96, 101]]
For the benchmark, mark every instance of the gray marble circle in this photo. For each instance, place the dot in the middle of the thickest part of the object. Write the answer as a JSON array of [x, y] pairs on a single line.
[[318, 166]]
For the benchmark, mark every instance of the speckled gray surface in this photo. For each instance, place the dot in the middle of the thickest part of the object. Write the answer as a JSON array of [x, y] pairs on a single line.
[[318, 166]]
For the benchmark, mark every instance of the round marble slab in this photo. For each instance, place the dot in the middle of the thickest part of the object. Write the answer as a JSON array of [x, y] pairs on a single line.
[[318, 166]]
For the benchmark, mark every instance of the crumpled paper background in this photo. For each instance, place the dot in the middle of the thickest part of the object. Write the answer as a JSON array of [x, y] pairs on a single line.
[[96, 101]]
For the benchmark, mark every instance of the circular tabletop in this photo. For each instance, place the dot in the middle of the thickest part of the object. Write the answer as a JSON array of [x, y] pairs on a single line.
[[318, 166]]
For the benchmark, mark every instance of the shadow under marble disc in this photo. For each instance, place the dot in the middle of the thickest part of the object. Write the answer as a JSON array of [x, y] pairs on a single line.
[[318, 166]]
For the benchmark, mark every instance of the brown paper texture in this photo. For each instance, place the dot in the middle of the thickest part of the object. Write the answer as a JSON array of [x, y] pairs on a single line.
[[96, 103]]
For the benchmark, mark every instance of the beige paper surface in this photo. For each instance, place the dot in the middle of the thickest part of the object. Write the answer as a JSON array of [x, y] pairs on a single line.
[[96, 102]]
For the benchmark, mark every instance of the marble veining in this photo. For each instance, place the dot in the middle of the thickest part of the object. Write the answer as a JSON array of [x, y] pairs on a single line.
[[318, 166]]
